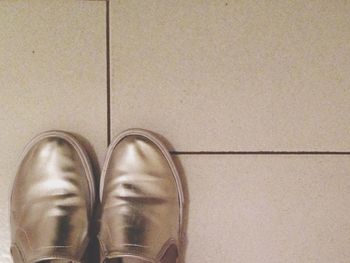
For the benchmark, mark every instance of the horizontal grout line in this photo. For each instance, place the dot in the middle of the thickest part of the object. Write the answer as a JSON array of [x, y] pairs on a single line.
[[259, 153]]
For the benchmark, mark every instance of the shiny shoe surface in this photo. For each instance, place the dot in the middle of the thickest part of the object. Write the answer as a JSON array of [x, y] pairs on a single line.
[[141, 201], [52, 201]]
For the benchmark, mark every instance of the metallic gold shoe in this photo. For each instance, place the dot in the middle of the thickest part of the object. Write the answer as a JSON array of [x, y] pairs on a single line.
[[52, 201], [141, 201]]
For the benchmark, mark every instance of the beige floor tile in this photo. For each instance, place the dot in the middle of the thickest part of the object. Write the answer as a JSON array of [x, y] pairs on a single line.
[[268, 209], [233, 75], [53, 76]]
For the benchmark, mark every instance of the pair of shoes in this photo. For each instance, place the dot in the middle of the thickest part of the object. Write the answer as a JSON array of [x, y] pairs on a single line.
[[53, 201]]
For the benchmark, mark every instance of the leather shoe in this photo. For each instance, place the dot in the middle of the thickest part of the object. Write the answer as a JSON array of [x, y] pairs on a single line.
[[52, 201], [141, 201]]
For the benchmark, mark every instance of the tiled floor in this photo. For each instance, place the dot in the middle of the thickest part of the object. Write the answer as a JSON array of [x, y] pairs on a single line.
[[53, 76], [228, 76], [228, 83]]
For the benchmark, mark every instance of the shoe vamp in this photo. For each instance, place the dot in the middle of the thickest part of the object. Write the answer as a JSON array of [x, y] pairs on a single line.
[[141, 212], [50, 206]]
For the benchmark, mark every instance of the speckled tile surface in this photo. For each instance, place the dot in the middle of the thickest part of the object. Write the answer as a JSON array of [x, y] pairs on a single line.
[[52, 75], [233, 75], [268, 208]]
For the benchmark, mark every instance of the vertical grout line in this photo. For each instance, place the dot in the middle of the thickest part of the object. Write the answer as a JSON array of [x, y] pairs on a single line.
[[108, 76]]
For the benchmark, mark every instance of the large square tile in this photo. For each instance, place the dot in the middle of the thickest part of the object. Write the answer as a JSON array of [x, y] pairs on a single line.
[[53, 76], [268, 208], [233, 75]]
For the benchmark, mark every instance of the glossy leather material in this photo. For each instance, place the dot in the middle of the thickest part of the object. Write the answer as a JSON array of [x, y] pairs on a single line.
[[141, 200], [52, 201]]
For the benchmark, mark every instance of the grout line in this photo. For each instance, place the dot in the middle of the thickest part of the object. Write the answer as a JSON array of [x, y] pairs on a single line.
[[259, 153], [108, 76], [194, 152]]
